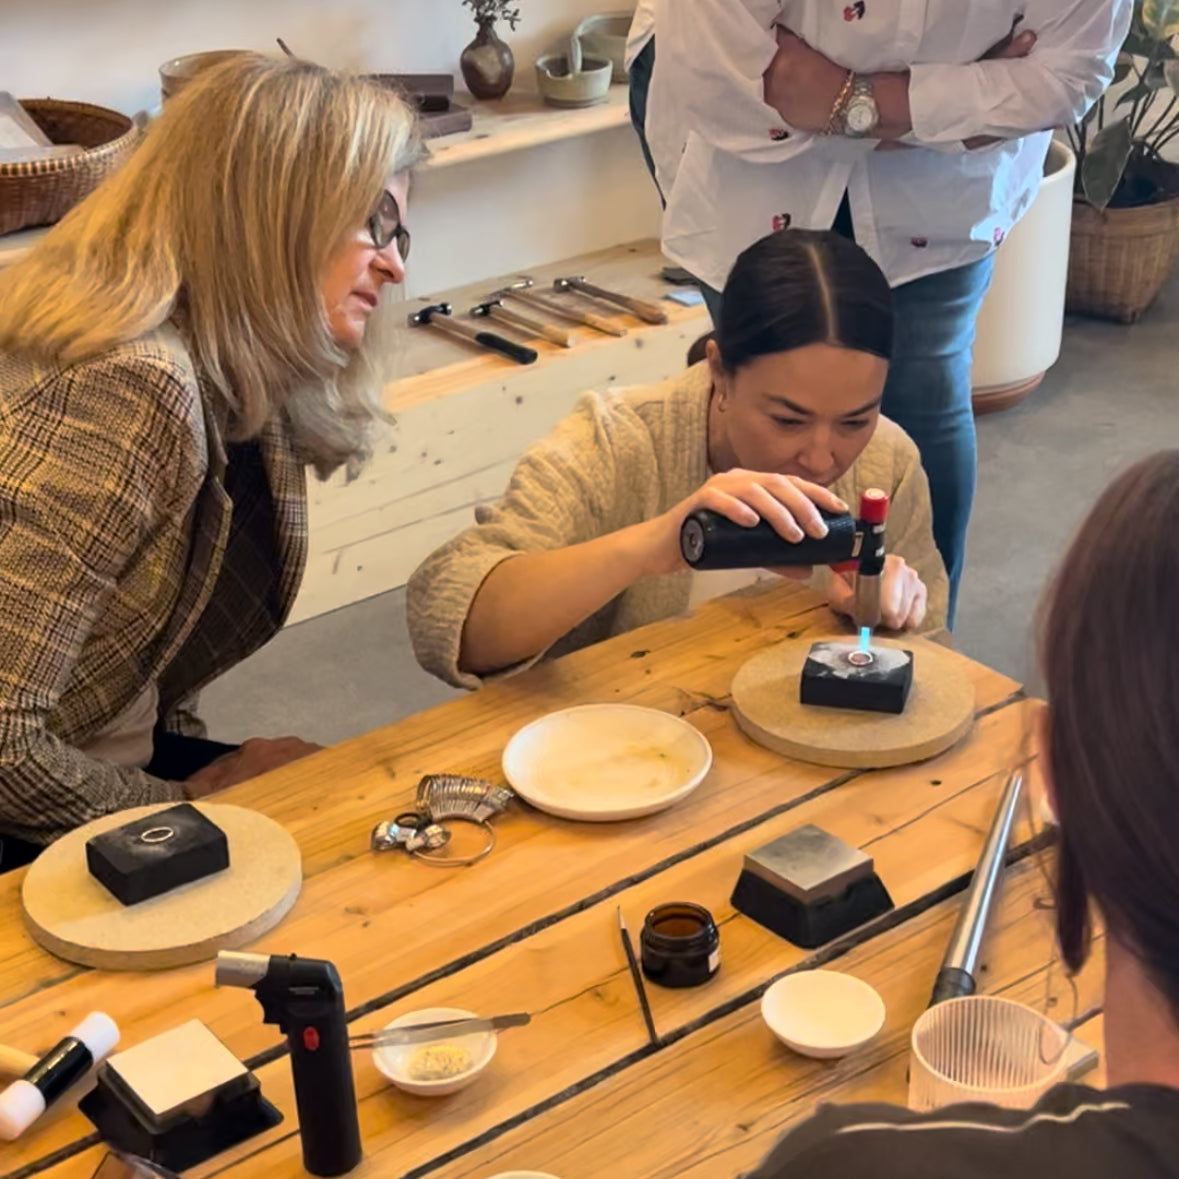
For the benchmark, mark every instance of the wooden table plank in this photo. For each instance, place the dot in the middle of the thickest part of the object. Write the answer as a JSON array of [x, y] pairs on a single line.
[[684, 665], [573, 975], [713, 1104], [354, 908], [371, 777]]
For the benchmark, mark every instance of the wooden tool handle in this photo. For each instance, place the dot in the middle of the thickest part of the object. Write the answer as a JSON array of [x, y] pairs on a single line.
[[489, 340], [643, 308], [14, 1063], [602, 324], [646, 311], [556, 335], [546, 331]]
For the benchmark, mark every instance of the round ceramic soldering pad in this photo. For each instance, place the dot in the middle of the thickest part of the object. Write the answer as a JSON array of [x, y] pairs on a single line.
[[939, 712], [73, 916]]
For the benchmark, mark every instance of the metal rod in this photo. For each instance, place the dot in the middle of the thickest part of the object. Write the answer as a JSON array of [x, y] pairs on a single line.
[[957, 976]]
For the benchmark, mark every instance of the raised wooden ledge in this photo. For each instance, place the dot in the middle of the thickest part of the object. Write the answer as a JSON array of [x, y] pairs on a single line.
[[522, 120]]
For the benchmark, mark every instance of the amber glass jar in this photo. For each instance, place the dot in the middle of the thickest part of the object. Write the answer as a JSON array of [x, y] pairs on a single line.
[[680, 945]]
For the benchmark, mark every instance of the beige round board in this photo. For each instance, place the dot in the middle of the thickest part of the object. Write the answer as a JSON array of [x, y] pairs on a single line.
[[73, 916], [939, 712]]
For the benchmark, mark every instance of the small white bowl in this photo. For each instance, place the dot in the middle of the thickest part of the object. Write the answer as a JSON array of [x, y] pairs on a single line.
[[822, 1013], [393, 1062]]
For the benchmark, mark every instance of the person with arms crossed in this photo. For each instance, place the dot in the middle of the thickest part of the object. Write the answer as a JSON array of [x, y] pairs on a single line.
[[921, 130]]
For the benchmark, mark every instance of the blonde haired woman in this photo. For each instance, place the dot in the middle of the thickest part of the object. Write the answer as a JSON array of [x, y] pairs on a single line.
[[172, 355]]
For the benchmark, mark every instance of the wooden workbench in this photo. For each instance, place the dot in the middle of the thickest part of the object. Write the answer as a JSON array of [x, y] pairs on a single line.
[[534, 927]]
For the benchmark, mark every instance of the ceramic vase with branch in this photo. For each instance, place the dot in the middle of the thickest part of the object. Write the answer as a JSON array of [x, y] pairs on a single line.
[[487, 63], [1126, 219]]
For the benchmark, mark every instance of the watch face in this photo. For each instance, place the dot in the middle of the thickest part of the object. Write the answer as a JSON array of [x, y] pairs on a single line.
[[861, 117]]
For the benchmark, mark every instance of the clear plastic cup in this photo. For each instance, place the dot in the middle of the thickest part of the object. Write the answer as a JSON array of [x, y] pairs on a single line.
[[983, 1048]]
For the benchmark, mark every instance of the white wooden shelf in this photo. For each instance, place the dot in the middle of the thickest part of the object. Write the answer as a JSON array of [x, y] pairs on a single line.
[[522, 120]]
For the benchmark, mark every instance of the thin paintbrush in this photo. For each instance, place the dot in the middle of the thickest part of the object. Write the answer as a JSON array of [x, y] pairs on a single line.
[[637, 976]]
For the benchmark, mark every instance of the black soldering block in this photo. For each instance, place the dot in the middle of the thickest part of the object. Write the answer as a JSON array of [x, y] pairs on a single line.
[[152, 856], [190, 1137], [838, 675], [810, 887]]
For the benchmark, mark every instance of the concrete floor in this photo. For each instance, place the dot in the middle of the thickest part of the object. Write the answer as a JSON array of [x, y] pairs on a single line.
[[1113, 397]]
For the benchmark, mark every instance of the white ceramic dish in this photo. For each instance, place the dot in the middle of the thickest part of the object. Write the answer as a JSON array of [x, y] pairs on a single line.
[[823, 1013], [523, 1175], [604, 762], [393, 1062]]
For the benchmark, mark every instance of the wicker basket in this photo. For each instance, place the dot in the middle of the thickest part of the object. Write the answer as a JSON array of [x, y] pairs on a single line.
[[1120, 258], [40, 192]]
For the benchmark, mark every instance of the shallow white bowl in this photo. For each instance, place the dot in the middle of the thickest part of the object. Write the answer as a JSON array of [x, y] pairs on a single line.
[[394, 1062], [523, 1175], [603, 762], [822, 1013]]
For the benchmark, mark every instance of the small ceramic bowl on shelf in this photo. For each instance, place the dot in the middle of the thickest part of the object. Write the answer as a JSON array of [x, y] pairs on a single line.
[[605, 35], [561, 87], [422, 1069]]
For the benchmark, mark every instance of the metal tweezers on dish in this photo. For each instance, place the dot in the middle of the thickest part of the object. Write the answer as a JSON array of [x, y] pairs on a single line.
[[418, 1033]]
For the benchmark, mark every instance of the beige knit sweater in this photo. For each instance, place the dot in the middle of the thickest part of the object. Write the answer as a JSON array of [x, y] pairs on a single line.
[[618, 459]]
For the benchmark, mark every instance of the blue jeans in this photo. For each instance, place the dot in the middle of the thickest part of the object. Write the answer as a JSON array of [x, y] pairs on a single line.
[[640, 85], [928, 394]]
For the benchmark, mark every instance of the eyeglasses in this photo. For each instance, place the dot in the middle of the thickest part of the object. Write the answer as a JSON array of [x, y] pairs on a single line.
[[385, 225]]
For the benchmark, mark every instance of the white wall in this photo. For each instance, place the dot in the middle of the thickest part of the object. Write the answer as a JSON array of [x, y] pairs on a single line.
[[501, 215], [108, 51]]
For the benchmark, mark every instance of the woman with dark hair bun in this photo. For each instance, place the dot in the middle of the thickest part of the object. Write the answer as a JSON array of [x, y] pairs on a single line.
[[781, 418], [1110, 753]]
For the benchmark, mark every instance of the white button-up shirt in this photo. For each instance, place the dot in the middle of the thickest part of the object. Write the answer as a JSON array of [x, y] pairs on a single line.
[[733, 171]]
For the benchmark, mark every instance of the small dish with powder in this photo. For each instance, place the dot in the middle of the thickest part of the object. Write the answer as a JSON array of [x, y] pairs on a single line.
[[436, 1068]]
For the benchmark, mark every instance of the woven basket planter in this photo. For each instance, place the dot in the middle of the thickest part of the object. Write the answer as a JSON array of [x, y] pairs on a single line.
[[40, 192], [1121, 258]]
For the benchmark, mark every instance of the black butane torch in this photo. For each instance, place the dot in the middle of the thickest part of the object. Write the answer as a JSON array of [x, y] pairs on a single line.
[[305, 998], [709, 540]]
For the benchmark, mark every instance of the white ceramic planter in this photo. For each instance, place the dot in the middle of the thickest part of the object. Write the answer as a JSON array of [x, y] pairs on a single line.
[[1022, 317]]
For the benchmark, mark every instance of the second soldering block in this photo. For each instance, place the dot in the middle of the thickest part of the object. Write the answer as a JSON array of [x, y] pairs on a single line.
[[842, 675]]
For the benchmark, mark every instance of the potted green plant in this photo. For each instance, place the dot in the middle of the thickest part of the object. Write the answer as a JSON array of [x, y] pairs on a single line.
[[487, 63], [1125, 235]]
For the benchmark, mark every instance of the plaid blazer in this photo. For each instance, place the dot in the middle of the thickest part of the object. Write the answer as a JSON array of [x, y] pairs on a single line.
[[114, 526]]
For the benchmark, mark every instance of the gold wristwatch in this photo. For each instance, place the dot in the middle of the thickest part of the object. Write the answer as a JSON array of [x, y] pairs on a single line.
[[861, 116]]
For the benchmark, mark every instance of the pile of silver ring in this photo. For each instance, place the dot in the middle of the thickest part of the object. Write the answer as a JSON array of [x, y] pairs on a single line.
[[449, 797]]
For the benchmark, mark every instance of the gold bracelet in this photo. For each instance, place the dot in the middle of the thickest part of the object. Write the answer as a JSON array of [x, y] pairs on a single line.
[[840, 107]]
